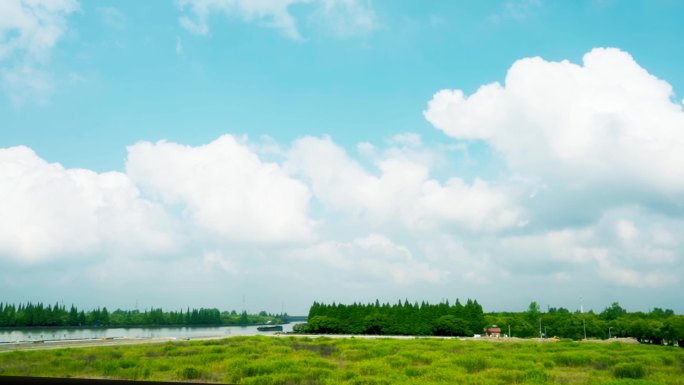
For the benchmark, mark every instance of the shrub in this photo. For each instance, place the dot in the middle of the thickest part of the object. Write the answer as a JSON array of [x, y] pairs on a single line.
[[299, 328], [126, 363], [572, 359], [536, 376], [472, 364], [629, 370], [189, 373], [413, 372], [667, 360], [110, 369]]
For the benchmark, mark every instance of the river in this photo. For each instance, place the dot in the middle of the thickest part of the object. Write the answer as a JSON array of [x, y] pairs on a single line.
[[56, 334]]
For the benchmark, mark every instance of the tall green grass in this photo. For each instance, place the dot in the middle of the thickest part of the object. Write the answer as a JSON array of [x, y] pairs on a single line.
[[310, 361]]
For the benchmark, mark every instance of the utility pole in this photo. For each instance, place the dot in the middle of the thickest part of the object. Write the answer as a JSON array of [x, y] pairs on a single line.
[[584, 326], [609, 332], [540, 329]]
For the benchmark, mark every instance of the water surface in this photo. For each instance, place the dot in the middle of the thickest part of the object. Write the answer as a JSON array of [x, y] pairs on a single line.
[[57, 334]]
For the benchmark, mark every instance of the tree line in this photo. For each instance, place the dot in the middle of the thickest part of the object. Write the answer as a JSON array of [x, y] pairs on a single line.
[[30, 315], [658, 326], [402, 318]]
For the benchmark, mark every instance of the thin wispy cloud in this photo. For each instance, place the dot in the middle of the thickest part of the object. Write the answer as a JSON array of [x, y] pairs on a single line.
[[341, 18], [29, 30]]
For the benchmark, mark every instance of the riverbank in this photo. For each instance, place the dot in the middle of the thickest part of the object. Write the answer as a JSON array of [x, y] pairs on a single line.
[[79, 343], [120, 341]]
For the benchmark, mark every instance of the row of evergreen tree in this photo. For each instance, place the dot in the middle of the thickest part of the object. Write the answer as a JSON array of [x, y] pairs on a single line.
[[404, 318], [30, 315]]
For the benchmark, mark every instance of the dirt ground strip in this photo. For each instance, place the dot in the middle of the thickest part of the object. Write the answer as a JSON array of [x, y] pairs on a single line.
[[46, 345]]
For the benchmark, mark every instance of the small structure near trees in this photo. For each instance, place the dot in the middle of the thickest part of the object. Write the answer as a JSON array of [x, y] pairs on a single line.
[[493, 331]]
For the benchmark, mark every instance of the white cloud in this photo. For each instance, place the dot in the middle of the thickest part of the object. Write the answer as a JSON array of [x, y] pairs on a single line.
[[612, 249], [25, 82], [221, 211], [518, 10], [179, 46], [113, 17], [272, 13], [373, 255], [470, 266], [29, 30], [215, 259], [343, 18], [225, 189], [626, 231], [408, 139], [634, 277], [403, 191], [606, 124], [47, 212]]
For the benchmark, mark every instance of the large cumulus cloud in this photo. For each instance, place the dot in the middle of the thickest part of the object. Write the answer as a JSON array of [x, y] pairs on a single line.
[[598, 146], [48, 212], [226, 189], [400, 192], [606, 122]]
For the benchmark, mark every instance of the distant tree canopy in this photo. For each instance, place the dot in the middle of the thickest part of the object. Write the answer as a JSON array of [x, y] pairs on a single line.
[[657, 326], [404, 318], [398, 319], [29, 314]]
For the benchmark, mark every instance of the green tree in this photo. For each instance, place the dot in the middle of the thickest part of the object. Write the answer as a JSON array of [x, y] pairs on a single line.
[[375, 323], [299, 328], [324, 325], [673, 330], [613, 312], [104, 317], [449, 325], [244, 320]]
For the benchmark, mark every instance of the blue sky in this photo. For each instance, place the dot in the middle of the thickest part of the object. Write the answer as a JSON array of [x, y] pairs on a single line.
[[341, 150]]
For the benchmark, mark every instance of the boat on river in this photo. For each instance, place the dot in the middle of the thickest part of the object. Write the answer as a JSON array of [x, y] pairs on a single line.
[[270, 328]]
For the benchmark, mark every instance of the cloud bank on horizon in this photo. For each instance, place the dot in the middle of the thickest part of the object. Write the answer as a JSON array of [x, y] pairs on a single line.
[[588, 198]]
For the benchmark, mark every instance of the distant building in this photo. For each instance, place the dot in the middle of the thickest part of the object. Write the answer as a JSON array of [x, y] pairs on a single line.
[[493, 331]]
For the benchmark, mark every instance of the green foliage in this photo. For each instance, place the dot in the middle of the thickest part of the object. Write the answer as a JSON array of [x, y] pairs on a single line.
[[449, 325], [656, 327], [297, 360], [299, 328], [472, 364], [403, 318], [613, 312], [324, 325], [629, 370], [573, 359], [189, 373], [29, 314], [536, 376]]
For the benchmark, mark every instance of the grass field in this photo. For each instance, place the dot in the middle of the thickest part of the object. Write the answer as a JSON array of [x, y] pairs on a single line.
[[296, 360]]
